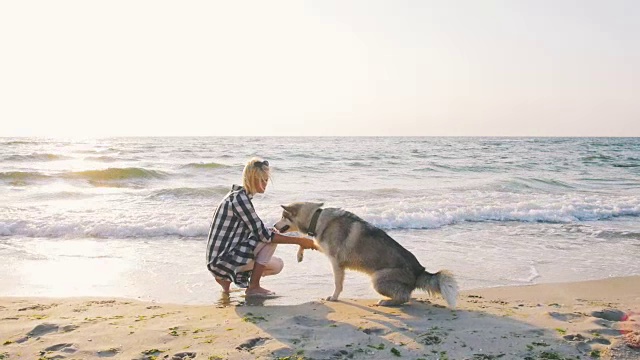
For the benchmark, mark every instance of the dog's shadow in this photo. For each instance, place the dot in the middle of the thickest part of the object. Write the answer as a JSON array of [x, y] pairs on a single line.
[[357, 329]]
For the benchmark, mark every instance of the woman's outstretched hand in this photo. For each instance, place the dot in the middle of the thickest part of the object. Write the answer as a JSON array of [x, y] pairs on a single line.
[[303, 242], [307, 243]]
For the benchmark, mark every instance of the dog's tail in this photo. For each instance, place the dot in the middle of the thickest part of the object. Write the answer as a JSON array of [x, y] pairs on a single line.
[[442, 283]]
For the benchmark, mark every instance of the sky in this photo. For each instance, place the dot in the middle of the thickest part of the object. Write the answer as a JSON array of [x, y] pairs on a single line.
[[320, 68]]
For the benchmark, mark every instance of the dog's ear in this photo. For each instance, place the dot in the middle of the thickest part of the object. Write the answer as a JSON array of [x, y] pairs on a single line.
[[289, 209]]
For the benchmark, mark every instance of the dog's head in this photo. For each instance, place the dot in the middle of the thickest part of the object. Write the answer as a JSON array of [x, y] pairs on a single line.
[[296, 216]]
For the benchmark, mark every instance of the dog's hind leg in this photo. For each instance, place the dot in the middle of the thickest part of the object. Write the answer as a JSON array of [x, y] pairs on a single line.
[[338, 277], [396, 284]]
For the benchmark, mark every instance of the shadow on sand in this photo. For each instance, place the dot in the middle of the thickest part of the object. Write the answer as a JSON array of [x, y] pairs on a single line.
[[357, 329]]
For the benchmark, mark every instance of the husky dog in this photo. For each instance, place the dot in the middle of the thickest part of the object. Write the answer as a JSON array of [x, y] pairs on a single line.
[[352, 243]]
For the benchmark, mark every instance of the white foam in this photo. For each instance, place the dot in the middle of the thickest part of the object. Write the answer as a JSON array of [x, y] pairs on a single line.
[[192, 221]]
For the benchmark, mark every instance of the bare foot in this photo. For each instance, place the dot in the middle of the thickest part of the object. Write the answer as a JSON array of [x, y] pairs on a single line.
[[225, 285], [258, 291]]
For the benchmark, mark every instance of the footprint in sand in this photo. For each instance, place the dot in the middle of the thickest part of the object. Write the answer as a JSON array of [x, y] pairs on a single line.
[[607, 319], [310, 322], [184, 356], [43, 329], [566, 317], [611, 315], [66, 348], [599, 340], [109, 353], [56, 357], [68, 328], [38, 307], [374, 330], [584, 344], [574, 337], [607, 332], [251, 343]]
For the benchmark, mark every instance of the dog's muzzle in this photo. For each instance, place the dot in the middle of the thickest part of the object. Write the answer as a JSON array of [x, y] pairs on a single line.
[[284, 229]]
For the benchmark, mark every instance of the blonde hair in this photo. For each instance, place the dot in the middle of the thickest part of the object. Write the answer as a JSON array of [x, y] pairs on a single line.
[[254, 171]]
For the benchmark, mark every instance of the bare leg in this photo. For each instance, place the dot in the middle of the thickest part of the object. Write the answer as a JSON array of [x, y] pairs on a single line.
[[338, 278], [265, 264], [254, 284], [225, 285]]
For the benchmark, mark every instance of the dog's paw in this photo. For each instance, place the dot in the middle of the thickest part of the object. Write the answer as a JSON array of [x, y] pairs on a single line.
[[300, 254], [388, 303], [332, 298]]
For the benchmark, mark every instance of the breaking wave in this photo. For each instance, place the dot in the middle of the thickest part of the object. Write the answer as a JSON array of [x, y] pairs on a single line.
[[100, 229], [115, 174], [174, 220], [22, 177], [102, 158], [36, 157], [186, 192], [212, 165], [560, 212]]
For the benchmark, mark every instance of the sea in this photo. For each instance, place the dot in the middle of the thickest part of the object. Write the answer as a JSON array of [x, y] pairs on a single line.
[[129, 217]]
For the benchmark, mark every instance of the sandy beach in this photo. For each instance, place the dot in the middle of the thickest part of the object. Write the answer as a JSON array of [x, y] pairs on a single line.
[[592, 319]]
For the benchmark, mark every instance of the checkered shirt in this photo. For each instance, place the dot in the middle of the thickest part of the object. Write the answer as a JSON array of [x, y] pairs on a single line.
[[234, 234]]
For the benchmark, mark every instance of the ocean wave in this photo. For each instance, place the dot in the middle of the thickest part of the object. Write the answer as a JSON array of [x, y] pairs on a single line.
[[102, 151], [36, 157], [313, 156], [116, 174], [20, 142], [529, 212], [170, 221], [111, 177], [20, 178], [102, 158], [103, 230], [442, 167], [425, 169], [211, 165], [519, 183], [186, 192], [60, 195], [614, 234], [597, 157]]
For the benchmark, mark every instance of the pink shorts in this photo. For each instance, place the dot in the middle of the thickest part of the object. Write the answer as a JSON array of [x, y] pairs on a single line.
[[264, 256]]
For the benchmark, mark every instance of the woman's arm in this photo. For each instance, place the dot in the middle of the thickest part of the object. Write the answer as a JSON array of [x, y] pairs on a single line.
[[306, 243]]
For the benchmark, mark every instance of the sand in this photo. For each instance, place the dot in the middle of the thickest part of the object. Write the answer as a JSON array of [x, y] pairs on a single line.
[[593, 319]]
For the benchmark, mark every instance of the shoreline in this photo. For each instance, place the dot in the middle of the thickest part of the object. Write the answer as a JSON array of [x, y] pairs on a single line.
[[589, 319]]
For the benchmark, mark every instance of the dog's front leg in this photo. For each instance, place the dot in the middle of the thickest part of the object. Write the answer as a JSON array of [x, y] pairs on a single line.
[[338, 277], [300, 254]]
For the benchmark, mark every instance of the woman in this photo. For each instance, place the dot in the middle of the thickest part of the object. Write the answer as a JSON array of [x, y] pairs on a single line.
[[240, 247]]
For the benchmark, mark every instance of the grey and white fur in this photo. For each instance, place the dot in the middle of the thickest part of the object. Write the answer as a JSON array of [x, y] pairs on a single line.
[[352, 243]]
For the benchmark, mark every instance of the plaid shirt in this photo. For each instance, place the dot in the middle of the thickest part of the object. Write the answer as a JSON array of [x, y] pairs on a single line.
[[234, 234]]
